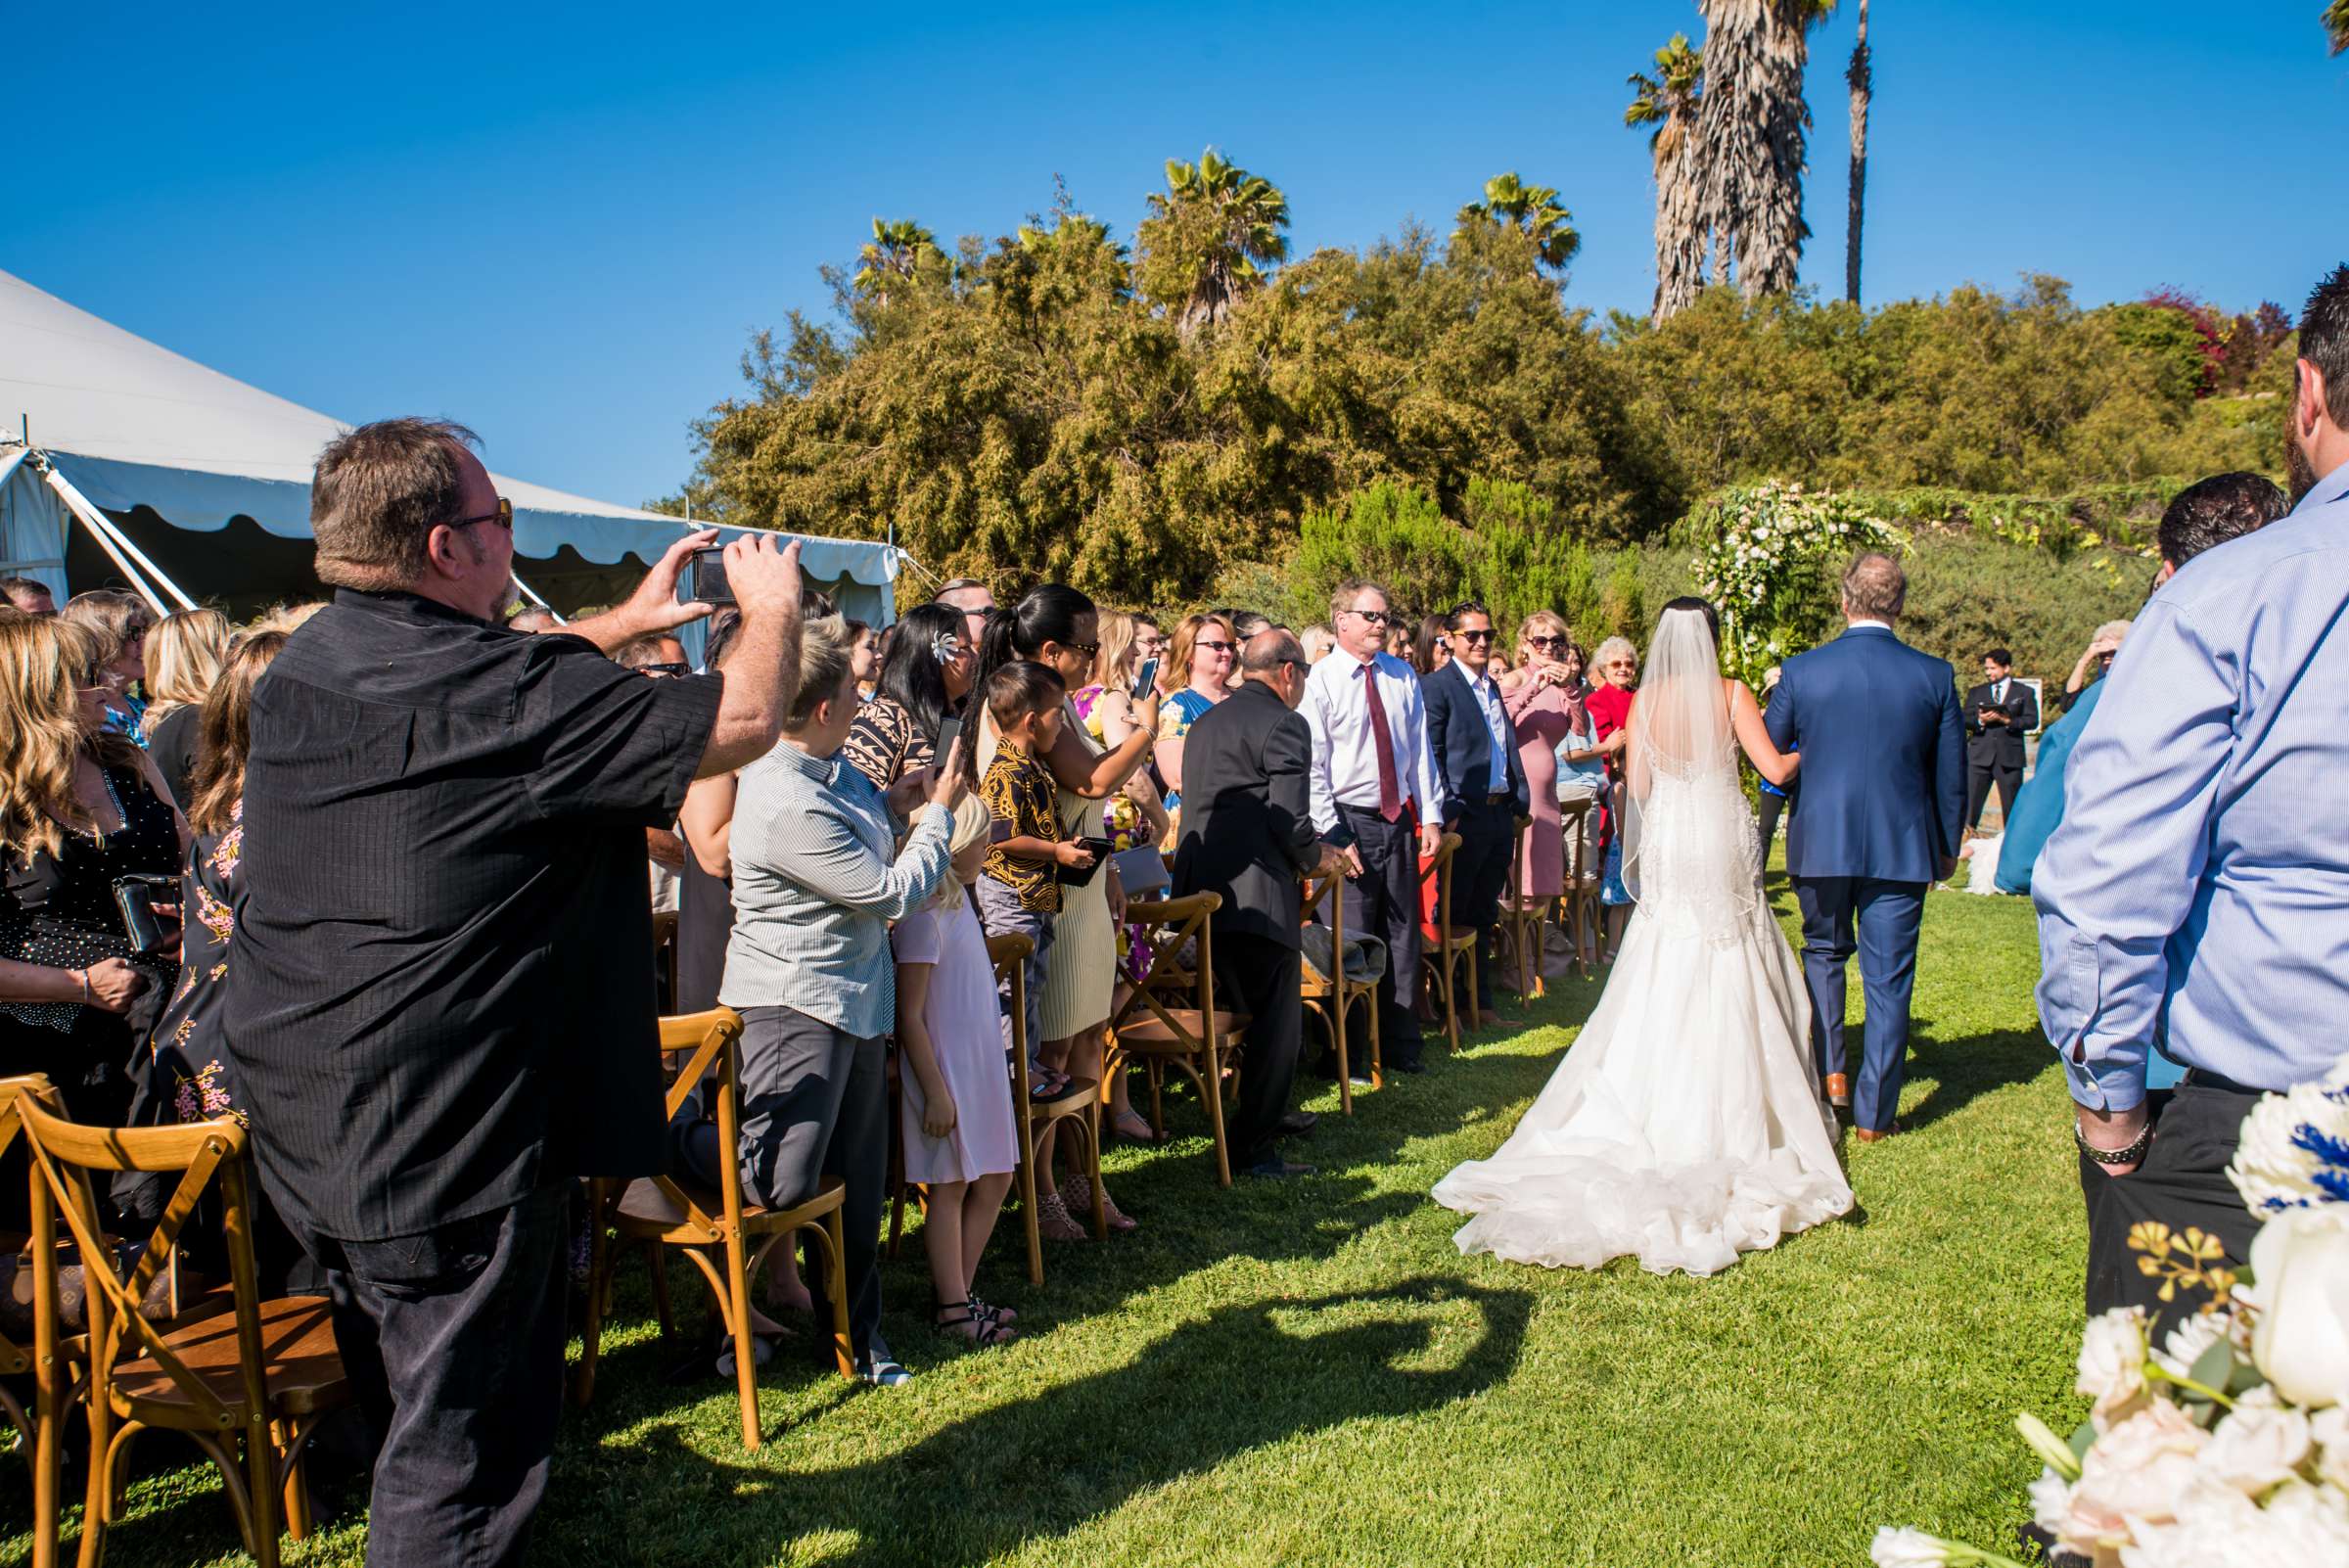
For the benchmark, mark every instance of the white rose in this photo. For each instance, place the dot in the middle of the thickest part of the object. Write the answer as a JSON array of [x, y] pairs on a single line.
[[2331, 1429], [2188, 1339], [2259, 1446], [2134, 1473], [1906, 1548], [2305, 1524], [2215, 1527], [2301, 1340], [2050, 1501], [2112, 1363]]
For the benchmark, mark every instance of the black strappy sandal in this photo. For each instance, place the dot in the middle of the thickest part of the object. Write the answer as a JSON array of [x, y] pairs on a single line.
[[985, 1333], [990, 1312]]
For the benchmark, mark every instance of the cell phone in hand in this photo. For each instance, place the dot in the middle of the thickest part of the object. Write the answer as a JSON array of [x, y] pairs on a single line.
[[948, 734], [1147, 678], [704, 579]]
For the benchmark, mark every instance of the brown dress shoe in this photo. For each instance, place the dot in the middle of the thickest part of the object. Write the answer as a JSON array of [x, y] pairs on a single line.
[[1873, 1135], [1839, 1091]]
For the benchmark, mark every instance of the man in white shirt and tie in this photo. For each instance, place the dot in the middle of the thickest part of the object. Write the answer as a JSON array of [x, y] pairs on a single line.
[[1997, 715], [1376, 795]]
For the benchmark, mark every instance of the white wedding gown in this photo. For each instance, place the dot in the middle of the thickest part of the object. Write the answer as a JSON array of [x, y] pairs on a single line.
[[1685, 1125]]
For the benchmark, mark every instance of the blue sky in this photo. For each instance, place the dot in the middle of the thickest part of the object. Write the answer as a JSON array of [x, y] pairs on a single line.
[[560, 225]]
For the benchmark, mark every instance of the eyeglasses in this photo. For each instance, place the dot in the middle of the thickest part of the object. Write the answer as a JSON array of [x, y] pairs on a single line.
[[1475, 636], [1553, 644], [503, 517], [1212, 647], [1376, 617]]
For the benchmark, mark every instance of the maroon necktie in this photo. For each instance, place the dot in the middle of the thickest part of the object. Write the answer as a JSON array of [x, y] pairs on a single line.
[[1390, 791]]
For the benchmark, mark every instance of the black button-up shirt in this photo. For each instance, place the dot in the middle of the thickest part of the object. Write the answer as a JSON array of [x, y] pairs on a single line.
[[441, 988]]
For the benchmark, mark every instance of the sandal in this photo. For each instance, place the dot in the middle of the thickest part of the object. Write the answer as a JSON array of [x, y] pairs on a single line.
[[1078, 1194], [992, 1313], [1053, 1224], [1047, 1082], [966, 1324], [1124, 1122]]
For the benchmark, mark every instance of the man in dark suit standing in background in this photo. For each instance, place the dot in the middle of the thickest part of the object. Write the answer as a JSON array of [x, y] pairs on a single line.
[[1248, 835], [1475, 743], [1998, 714], [1883, 791]]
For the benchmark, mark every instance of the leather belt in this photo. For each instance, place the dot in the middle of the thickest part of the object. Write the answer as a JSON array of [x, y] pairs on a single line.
[[2203, 1077]]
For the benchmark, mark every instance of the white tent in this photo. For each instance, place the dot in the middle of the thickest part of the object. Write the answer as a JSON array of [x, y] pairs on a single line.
[[142, 450]]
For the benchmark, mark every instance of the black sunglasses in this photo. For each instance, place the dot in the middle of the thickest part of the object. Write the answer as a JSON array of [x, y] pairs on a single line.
[[1545, 642], [1474, 636], [1212, 647], [1092, 650], [503, 517], [1376, 617]]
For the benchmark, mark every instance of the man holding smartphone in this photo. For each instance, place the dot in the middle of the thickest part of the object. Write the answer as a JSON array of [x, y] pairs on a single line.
[[1998, 714]]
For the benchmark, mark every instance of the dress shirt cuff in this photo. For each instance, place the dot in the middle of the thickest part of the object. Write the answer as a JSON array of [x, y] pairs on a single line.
[[2115, 1082]]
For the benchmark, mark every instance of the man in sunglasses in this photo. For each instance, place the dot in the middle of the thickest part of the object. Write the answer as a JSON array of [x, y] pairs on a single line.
[[1376, 795], [1475, 743], [441, 1013]]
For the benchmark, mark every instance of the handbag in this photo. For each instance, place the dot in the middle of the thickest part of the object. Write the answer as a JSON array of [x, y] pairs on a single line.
[[1143, 871]]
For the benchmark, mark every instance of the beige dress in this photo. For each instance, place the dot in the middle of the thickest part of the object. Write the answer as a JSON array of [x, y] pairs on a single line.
[[1082, 968]]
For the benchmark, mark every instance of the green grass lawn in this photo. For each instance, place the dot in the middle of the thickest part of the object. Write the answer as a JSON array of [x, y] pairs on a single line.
[[1308, 1372]]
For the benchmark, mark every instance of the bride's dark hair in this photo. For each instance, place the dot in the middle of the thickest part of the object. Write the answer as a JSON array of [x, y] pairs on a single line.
[[1703, 607]]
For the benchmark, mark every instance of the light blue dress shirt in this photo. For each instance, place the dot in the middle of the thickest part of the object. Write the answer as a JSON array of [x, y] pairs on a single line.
[[2197, 889], [1498, 725]]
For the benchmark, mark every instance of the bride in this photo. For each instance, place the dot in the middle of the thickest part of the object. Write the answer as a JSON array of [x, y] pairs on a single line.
[[1685, 1125]]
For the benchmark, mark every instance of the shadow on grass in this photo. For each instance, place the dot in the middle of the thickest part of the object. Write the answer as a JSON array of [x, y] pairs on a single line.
[[1246, 1376], [1959, 1072]]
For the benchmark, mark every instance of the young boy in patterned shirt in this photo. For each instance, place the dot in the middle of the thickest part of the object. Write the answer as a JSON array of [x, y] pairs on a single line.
[[1019, 884]]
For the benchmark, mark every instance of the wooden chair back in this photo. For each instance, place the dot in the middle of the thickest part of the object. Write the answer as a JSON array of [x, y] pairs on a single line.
[[1168, 988], [1578, 908], [1335, 994], [703, 1051], [1440, 942], [16, 1360]]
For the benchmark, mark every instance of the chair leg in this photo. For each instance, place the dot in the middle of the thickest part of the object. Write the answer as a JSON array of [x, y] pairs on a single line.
[[1337, 1037], [1215, 1119], [746, 1345], [260, 1483], [96, 1499], [1092, 1171], [836, 1274], [659, 1262], [1476, 1006], [1154, 1070], [44, 1434], [1026, 1186], [599, 1288], [294, 1492]]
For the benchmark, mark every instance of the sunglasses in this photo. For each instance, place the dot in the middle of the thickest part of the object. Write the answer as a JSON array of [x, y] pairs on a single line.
[[1376, 617], [503, 517], [1553, 644], [1212, 647], [668, 669], [1092, 650], [1474, 636]]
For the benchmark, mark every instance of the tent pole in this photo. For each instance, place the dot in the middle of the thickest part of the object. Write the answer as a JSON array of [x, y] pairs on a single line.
[[103, 526], [538, 599], [153, 601]]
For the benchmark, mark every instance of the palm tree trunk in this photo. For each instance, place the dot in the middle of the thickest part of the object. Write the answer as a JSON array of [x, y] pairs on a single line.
[[1863, 86], [1751, 131]]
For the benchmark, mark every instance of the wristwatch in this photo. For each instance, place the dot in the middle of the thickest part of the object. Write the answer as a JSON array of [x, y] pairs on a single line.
[[2130, 1155]]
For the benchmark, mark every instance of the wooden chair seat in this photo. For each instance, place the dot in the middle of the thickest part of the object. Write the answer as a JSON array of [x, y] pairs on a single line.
[[1155, 1034], [649, 1210], [301, 1369]]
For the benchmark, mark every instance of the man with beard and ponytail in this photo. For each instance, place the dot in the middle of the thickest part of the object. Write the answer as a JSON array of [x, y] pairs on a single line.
[[2191, 897], [440, 1010]]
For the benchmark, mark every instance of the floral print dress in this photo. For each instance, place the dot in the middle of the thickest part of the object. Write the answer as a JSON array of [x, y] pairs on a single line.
[[1127, 828], [191, 1066]]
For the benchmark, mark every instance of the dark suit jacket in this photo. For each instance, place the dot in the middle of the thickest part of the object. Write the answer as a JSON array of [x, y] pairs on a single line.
[[1247, 821], [1463, 744], [1883, 758], [2000, 744]]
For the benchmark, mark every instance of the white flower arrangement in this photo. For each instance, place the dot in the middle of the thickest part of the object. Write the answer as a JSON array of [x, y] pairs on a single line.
[[1764, 539], [2229, 1443]]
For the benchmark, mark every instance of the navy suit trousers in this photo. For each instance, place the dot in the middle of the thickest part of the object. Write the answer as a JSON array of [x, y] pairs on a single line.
[[1885, 916]]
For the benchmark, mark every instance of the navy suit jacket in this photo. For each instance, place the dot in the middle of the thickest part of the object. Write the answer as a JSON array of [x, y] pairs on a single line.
[[1883, 758], [1463, 744]]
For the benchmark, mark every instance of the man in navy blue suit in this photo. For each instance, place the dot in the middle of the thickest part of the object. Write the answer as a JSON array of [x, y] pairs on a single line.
[[1475, 742], [1883, 796]]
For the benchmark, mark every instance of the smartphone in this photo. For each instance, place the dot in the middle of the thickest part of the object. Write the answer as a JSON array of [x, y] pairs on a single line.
[[704, 579], [948, 734], [1147, 678]]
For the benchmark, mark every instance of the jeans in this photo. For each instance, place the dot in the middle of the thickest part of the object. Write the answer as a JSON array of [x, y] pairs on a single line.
[[453, 1342], [1000, 912]]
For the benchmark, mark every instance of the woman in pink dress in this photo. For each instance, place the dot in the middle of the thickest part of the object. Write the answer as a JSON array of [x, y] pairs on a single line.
[[1539, 697]]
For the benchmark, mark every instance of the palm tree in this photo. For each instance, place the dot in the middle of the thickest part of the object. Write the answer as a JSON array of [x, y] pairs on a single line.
[[1669, 101], [1207, 237], [1862, 85], [1535, 211], [1750, 132], [2337, 25], [898, 251]]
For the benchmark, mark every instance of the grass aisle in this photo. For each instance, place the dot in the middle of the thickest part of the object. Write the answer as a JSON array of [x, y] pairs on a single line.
[[1309, 1373]]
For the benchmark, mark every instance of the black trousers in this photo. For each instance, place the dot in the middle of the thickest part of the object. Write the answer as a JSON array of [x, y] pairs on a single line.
[[1981, 772], [1480, 875], [1262, 978], [2182, 1183], [453, 1341], [1385, 904]]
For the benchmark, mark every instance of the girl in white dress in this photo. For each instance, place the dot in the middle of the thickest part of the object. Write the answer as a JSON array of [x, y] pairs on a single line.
[[1686, 1126]]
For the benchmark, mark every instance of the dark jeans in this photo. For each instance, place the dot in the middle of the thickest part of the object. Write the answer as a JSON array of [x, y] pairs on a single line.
[[453, 1342], [1980, 775], [815, 1103], [1262, 978], [2183, 1182], [1386, 904], [1886, 915], [1480, 875], [999, 912]]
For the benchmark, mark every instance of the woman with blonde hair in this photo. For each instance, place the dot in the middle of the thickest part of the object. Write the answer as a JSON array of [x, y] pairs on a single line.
[[79, 807], [1199, 662], [183, 659], [119, 622], [1542, 699]]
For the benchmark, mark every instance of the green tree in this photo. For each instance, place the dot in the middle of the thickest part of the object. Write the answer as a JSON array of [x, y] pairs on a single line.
[[1208, 237], [1535, 211], [897, 253], [1669, 101]]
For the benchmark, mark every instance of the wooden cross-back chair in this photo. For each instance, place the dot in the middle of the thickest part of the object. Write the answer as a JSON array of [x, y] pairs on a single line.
[[37, 1435], [262, 1372], [727, 1237], [1169, 1019], [16, 1360], [1332, 996], [1577, 905], [1079, 1109], [1441, 945], [1521, 922]]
